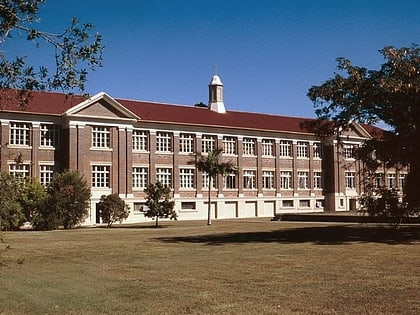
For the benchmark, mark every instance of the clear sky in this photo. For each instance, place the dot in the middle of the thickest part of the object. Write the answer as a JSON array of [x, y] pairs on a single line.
[[268, 53]]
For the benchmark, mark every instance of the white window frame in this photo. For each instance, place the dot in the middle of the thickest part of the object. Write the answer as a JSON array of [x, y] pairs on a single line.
[[46, 172], [229, 145], [140, 177], [19, 133], [268, 179], [20, 171], [163, 142], [317, 150], [286, 179], [164, 176], [186, 143], [285, 148], [248, 146], [402, 177], [303, 179], [302, 149], [49, 135], [391, 180], [140, 140], [318, 180], [208, 143], [229, 181], [250, 179], [100, 176], [267, 147], [348, 152], [101, 137], [205, 180], [186, 178], [350, 179]]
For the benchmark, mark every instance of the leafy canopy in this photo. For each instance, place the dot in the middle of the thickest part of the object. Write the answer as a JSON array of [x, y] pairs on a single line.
[[159, 203], [76, 50], [390, 95], [112, 209]]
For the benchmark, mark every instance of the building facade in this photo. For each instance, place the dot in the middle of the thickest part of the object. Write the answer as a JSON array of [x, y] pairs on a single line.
[[120, 146]]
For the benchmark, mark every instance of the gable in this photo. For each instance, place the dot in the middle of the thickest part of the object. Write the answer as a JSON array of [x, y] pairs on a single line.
[[101, 106]]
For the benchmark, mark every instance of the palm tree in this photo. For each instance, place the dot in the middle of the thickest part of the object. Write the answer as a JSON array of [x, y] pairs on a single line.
[[211, 165]]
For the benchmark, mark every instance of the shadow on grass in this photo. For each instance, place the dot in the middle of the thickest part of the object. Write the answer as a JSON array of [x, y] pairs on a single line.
[[329, 235]]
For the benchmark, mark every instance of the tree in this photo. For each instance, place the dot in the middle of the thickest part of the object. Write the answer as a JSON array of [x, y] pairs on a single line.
[[158, 202], [67, 204], [32, 198], [112, 209], [211, 165], [77, 49], [11, 215], [390, 95]]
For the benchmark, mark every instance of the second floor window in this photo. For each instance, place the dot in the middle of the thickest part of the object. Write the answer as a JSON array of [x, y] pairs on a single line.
[[229, 145], [302, 149], [163, 142], [285, 148], [49, 135], [208, 143], [100, 137], [19, 133], [267, 147], [140, 140], [248, 146], [186, 143]]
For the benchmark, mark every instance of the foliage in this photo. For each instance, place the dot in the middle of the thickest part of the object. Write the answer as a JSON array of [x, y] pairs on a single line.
[[67, 204], [158, 202], [389, 95], [77, 50], [211, 165], [32, 198], [11, 215], [112, 209]]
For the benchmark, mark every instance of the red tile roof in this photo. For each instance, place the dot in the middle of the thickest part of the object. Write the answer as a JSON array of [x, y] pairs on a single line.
[[58, 103]]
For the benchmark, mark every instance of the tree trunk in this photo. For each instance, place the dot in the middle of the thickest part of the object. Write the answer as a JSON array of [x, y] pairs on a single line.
[[157, 219], [209, 203]]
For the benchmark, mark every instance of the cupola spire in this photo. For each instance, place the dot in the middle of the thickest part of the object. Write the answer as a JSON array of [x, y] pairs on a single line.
[[216, 95]]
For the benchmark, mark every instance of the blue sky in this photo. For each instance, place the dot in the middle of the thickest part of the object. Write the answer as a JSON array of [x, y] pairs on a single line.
[[268, 53]]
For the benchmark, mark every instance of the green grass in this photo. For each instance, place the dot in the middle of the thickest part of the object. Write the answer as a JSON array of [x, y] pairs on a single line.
[[230, 267]]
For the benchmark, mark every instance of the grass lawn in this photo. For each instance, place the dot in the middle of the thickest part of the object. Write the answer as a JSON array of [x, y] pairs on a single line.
[[231, 267]]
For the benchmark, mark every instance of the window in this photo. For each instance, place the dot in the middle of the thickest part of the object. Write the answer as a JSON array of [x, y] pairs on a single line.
[[317, 150], [20, 171], [140, 140], [285, 148], [348, 152], [186, 143], [267, 147], [318, 180], [49, 135], [19, 133], [188, 206], [401, 180], [45, 174], [208, 143], [229, 181], [100, 137], [164, 176], [303, 180], [302, 149], [140, 207], [205, 178], [379, 180], [229, 145], [248, 146], [100, 176], [268, 179], [249, 180], [391, 180], [163, 142], [350, 180], [286, 180], [305, 203], [186, 177], [287, 203], [140, 177]]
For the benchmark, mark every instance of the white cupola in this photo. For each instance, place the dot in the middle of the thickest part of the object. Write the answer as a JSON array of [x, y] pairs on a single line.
[[216, 95]]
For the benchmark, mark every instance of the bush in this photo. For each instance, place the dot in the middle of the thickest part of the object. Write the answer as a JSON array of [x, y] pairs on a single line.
[[112, 209]]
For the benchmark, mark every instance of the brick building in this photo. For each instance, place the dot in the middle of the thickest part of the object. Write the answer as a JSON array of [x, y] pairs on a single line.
[[122, 145]]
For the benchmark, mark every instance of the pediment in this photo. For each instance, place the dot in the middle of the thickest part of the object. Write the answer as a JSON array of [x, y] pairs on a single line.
[[101, 106], [355, 130]]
